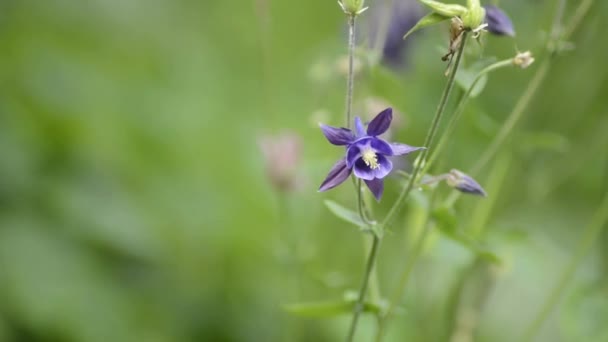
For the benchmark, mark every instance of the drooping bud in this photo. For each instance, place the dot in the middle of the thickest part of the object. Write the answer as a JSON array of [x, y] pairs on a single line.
[[352, 7], [523, 59], [473, 18], [498, 22], [464, 183]]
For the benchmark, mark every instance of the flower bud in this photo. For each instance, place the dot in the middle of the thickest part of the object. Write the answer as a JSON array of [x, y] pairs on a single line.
[[464, 183], [473, 18], [498, 21], [352, 7], [523, 59], [446, 10]]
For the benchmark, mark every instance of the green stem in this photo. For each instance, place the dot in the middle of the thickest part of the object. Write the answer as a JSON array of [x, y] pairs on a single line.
[[513, 118], [528, 94], [590, 235], [371, 260], [404, 278], [351, 74], [429, 137], [460, 109]]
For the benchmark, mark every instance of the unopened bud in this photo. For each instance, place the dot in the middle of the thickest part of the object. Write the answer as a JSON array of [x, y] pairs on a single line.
[[474, 16], [523, 59], [498, 22], [464, 183], [352, 7]]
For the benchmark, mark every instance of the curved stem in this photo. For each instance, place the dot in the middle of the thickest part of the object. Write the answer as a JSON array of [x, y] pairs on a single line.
[[351, 74], [513, 118], [371, 260], [526, 97], [460, 109], [430, 135], [590, 235]]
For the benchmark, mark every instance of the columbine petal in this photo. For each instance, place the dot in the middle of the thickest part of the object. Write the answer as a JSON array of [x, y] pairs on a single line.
[[338, 174], [337, 136], [380, 123], [352, 154], [498, 21], [382, 147], [401, 149], [360, 129], [376, 186], [364, 172], [464, 183]]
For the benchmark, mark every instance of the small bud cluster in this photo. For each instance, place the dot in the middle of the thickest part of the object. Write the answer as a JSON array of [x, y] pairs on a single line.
[[523, 59], [352, 7]]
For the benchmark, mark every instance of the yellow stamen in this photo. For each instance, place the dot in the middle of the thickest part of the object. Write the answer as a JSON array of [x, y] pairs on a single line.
[[370, 158]]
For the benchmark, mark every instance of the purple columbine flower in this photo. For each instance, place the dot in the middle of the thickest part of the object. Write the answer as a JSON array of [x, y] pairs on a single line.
[[498, 21], [366, 154]]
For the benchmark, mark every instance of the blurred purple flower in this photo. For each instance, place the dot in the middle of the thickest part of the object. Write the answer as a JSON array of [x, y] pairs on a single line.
[[366, 154], [402, 16], [498, 21]]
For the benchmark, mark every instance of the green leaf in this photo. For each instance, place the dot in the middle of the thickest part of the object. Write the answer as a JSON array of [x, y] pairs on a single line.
[[428, 20], [345, 214], [446, 10], [329, 308]]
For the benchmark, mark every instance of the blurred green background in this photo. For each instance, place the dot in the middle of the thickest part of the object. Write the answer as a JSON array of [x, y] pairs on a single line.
[[135, 203]]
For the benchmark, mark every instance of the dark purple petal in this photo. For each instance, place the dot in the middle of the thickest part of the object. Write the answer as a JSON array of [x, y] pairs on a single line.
[[337, 136], [401, 149], [464, 183], [376, 186], [359, 128], [352, 154], [385, 166], [381, 147], [367, 173], [338, 174], [498, 22], [380, 123]]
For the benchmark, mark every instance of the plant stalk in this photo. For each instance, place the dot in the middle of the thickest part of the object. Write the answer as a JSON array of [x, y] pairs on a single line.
[[371, 260], [429, 137], [351, 73]]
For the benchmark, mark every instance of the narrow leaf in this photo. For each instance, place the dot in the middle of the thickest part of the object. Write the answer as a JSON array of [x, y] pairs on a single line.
[[428, 20], [447, 10], [345, 214]]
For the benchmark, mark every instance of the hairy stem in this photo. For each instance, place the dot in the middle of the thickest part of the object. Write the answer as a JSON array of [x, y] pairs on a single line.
[[429, 137], [351, 74], [590, 235], [371, 260]]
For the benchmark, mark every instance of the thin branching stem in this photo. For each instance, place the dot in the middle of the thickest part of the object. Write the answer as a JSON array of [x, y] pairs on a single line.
[[524, 101], [351, 73], [429, 137], [460, 109], [371, 260]]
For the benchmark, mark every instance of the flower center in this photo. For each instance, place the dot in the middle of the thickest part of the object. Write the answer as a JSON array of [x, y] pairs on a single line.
[[370, 158]]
